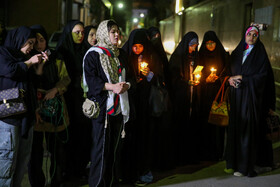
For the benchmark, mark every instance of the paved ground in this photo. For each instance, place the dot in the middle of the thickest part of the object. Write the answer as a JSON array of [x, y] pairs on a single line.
[[169, 178]]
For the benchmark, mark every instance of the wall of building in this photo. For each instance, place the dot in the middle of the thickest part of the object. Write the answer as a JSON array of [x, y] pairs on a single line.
[[229, 19], [31, 12]]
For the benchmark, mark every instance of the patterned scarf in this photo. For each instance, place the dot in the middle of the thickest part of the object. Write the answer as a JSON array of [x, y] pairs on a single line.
[[113, 70]]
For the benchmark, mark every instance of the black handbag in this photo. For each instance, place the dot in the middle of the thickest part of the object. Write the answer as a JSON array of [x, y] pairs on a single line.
[[158, 100], [12, 102]]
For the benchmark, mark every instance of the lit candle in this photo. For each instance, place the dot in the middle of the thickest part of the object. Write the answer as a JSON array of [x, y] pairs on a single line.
[[143, 65], [197, 77], [213, 71]]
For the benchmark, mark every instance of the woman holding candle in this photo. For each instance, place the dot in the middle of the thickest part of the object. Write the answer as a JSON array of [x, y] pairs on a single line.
[[149, 72], [250, 103], [184, 96], [213, 57]]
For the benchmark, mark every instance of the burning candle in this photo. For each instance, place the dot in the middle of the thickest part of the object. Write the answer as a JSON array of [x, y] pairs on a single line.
[[213, 71], [197, 77], [143, 65]]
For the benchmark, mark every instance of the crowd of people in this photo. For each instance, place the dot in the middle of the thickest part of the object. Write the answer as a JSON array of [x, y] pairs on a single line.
[[153, 110]]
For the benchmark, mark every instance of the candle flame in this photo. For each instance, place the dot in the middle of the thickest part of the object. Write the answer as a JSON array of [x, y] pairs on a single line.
[[213, 69], [197, 76], [144, 64]]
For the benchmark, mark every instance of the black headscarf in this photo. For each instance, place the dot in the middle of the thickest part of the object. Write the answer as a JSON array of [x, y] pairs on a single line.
[[139, 36], [40, 29], [216, 58], [71, 52], [17, 37], [66, 36], [157, 44], [181, 55], [87, 30], [50, 75]]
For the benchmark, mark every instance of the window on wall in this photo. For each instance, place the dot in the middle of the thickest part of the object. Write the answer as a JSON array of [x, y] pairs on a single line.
[[264, 16], [75, 11]]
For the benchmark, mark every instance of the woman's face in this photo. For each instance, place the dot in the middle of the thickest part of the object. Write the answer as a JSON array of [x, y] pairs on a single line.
[[210, 45], [192, 48], [251, 37], [137, 48], [92, 37], [28, 46], [114, 35], [78, 34], [41, 43]]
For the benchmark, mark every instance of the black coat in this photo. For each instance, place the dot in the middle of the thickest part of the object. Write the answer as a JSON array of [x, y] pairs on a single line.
[[249, 105], [15, 73]]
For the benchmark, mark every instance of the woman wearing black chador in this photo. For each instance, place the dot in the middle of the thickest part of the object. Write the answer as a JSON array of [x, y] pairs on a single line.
[[146, 126], [184, 95], [212, 56], [252, 98], [72, 50]]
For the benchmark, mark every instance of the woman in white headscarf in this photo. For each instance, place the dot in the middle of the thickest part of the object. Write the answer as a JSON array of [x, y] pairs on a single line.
[[105, 81]]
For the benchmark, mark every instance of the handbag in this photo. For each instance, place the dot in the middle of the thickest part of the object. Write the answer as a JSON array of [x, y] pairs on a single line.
[[50, 110], [11, 102], [91, 109], [219, 110], [158, 100]]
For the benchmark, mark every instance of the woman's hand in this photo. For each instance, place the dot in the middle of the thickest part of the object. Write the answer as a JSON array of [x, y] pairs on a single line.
[[145, 71], [51, 94], [235, 79], [117, 88], [34, 60], [45, 56]]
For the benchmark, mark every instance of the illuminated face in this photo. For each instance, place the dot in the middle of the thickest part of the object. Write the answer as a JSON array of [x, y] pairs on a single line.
[[251, 37], [114, 34], [210, 45], [78, 34], [192, 48], [28, 46], [41, 43], [137, 48], [92, 37]]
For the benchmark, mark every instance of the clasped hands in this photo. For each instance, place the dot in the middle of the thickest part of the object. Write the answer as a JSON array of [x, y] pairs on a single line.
[[120, 87], [234, 81]]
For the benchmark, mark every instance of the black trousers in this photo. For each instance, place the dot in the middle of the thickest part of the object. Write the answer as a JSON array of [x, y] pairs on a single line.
[[55, 146], [105, 155]]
